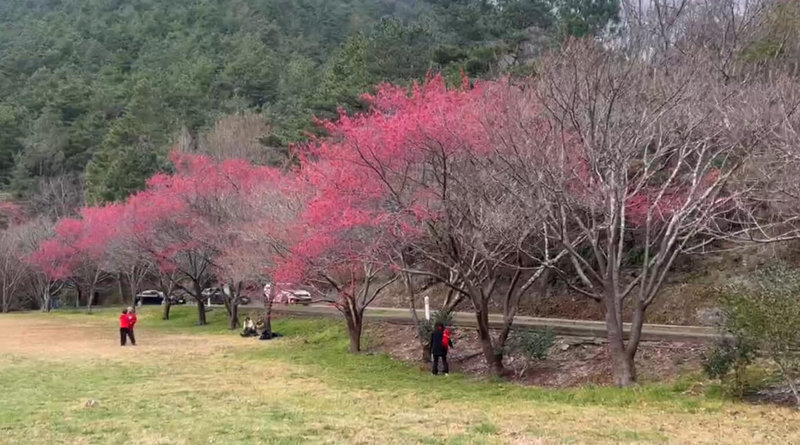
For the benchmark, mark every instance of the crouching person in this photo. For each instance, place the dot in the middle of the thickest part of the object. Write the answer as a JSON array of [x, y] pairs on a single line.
[[249, 328]]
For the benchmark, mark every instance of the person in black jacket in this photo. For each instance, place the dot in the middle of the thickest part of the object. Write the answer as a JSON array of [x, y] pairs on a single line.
[[440, 343]]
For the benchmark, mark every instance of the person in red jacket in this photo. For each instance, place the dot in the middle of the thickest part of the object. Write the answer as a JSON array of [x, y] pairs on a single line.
[[440, 343], [131, 323], [124, 327]]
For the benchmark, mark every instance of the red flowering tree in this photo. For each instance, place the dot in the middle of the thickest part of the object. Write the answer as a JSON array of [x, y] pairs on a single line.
[[257, 237], [338, 248], [210, 222], [167, 226], [80, 252], [249, 208], [408, 185]]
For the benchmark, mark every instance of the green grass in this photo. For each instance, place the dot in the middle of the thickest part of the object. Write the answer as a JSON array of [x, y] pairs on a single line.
[[191, 384]]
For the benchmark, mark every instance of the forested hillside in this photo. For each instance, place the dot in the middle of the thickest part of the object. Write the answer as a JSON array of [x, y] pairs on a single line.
[[93, 92]]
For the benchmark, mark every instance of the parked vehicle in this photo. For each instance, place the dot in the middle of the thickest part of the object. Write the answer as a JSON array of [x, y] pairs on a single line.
[[177, 299], [215, 295], [149, 297], [154, 297], [290, 296]]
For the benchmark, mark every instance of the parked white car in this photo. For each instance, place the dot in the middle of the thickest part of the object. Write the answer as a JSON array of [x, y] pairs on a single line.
[[289, 296]]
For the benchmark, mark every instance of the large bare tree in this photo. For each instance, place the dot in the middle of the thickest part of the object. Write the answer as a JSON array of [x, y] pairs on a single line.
[[645, 164]]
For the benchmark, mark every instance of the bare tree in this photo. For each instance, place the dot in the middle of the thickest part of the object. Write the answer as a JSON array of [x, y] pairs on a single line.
[[36, 282], [657, 31], [647, 163], [58, 197], [129, 261], [484, 247], [255, 242], [13, 269], [238, 136], [353, 287]]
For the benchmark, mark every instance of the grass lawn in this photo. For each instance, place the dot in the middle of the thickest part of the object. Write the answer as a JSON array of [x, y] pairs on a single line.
[[185, 384]]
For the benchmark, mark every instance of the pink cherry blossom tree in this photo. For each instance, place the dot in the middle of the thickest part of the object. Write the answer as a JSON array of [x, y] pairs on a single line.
[[79, 253], [406, 188]]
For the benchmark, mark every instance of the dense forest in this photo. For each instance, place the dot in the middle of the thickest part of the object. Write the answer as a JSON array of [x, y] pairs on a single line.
[[94, 92]]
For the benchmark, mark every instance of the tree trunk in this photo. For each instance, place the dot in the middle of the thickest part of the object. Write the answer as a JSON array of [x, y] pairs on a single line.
[[354, 325], [90, 300], [233, 318], [637, 323], [201, 305], [504, 334], [165, 286], [412, 305], [46, 300], [201, 311], [167, 307], [134, 281], [624, 369], [493, 358], [231, 295], [622, 361], [268, 314], [452, 300], [121, 289], [426, 352]]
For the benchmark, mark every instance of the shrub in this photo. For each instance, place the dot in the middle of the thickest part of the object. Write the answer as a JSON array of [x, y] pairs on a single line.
[[765, 314], [426, 326], [534, 344], [726, 355]]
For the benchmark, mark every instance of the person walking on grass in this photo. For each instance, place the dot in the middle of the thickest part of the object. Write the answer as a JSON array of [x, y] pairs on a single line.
[[440, 343], [124, 327], [131, 322]]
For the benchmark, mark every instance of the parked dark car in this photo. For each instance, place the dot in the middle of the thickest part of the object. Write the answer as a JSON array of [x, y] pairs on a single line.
[[215, 295], [177, 299], [154, 297], [149, 297]]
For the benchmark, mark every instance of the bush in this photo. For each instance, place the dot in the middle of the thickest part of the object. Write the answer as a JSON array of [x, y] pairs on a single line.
[[426, 326], [764, 313], [534, 344], [729, 355], [718, 361]]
